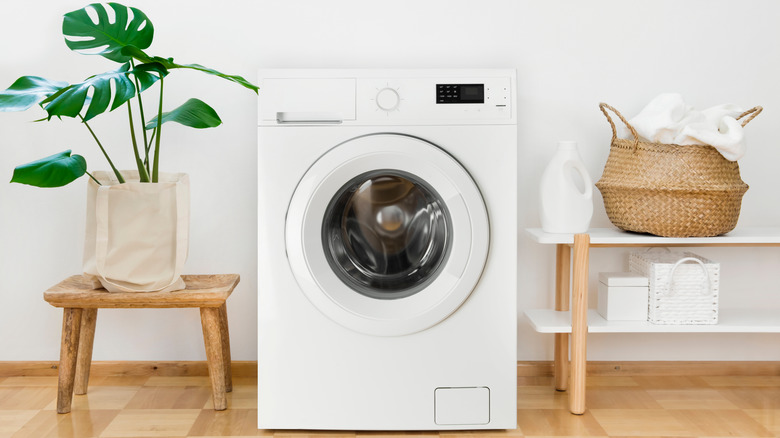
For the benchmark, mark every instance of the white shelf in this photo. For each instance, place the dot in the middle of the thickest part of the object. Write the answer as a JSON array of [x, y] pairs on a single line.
[[616, 237], [729, 321], [551, 321]]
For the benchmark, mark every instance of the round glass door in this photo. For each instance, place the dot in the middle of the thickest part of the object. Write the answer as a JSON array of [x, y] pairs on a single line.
[[387, 234]]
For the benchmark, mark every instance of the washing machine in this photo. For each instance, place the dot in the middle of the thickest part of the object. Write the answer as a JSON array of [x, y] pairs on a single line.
[[387, 249]]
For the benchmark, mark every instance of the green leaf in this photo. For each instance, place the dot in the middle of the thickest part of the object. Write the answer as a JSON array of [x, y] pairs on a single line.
[[27, 91], [168, 63], [148, 74], [54, 171], [107, 37], [135, 52], [233, 78], [194, 113], [70, 100]]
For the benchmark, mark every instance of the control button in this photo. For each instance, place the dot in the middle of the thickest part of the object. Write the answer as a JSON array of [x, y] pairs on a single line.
[[388, 99]]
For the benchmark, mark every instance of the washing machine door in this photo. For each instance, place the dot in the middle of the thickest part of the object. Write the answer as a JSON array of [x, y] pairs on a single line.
[[387, 234]]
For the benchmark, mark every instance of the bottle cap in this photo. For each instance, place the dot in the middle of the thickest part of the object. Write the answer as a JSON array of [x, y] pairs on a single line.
[[567, 145]]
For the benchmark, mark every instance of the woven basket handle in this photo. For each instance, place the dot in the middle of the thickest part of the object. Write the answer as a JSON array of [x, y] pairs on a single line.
[[752, 112], [690, 259], [649, 249], [604, 107]]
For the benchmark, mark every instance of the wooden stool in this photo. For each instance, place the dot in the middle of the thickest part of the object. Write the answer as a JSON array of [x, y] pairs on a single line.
[[80, 303]]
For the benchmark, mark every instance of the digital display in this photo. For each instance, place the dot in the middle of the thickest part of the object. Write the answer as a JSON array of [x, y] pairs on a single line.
[[472, 93], [460, 93]]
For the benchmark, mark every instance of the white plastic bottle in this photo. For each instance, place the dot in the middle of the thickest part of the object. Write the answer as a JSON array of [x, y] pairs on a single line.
[[564, 207]]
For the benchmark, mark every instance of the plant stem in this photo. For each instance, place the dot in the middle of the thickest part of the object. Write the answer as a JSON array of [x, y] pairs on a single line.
[[142, 174], [110, 163], [148, 148], [156, 167], [143, 118], [93, 178]]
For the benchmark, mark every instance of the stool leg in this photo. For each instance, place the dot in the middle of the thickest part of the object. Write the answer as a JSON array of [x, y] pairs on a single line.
[[210, 319], [86, 340], [71, 326], [225, 335]]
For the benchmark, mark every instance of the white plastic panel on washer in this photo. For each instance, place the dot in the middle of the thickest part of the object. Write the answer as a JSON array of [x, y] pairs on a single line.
[[416, 100], [462, 406], [324, 96]]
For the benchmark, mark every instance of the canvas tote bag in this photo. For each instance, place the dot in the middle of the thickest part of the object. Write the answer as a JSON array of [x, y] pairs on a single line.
[[137, 234]]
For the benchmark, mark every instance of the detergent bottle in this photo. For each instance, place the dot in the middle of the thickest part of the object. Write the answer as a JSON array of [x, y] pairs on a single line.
[[564, 207]]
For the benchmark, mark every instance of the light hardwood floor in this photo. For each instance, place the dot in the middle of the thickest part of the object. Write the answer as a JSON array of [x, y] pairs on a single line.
[[158, 406]]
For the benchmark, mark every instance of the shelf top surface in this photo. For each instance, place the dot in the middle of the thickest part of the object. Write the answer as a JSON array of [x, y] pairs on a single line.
[[729, 321], [614, 236]]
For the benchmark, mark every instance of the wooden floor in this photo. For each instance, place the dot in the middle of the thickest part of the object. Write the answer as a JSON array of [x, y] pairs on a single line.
[[181, 407]]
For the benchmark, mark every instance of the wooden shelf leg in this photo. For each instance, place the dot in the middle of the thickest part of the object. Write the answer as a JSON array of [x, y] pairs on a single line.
[[212, 338], [84, 360], [225, 335], [562, 282], [579, 324], [71, 326]]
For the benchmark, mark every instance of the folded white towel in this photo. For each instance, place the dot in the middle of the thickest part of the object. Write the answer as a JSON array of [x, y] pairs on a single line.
[[667, 119]]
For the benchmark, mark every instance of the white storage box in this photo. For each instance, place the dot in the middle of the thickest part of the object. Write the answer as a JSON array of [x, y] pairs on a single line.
[[683, 286], [623, 296]]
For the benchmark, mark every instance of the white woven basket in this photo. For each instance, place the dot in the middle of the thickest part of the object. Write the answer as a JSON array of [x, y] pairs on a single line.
[[683, 286]]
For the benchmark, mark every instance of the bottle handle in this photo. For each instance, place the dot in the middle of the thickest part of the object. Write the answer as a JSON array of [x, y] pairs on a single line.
[[588, 183]]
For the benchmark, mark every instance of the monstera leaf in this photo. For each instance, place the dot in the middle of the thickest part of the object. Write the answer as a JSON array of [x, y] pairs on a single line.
[[27, 91], [148, 74], [106, 35], [233, 78], [54, 171], [70, 100], [168, 63], [194, 113]]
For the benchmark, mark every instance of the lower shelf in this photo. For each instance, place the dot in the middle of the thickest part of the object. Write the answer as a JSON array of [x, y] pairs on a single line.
[[729, 321]]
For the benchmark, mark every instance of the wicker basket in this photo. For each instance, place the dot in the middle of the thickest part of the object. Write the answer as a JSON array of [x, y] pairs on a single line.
[[670, 190], [684, 287]]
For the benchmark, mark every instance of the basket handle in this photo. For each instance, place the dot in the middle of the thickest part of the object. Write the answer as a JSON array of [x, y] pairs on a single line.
[[753, 112], [657, 247], [690, 259], [604, 107]]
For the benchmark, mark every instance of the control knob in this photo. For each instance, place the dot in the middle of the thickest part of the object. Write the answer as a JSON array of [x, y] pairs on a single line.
[[388, 99]]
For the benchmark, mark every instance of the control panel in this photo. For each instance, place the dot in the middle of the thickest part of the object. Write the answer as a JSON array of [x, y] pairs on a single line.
[[460, 93], [400, 97], [434, 99]]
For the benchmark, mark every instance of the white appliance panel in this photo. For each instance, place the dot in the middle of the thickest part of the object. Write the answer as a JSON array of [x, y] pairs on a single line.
[[312, 98], [386, 97], [315, 373], [417, 100]]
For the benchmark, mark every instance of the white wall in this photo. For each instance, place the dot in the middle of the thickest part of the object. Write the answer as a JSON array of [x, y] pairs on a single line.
[[569, 56]]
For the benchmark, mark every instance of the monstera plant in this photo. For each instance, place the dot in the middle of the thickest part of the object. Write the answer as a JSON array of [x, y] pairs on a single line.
[[120, 34]]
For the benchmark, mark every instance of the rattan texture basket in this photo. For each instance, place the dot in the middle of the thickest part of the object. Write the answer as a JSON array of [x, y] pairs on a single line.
[[680, 292], [670, 190]]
